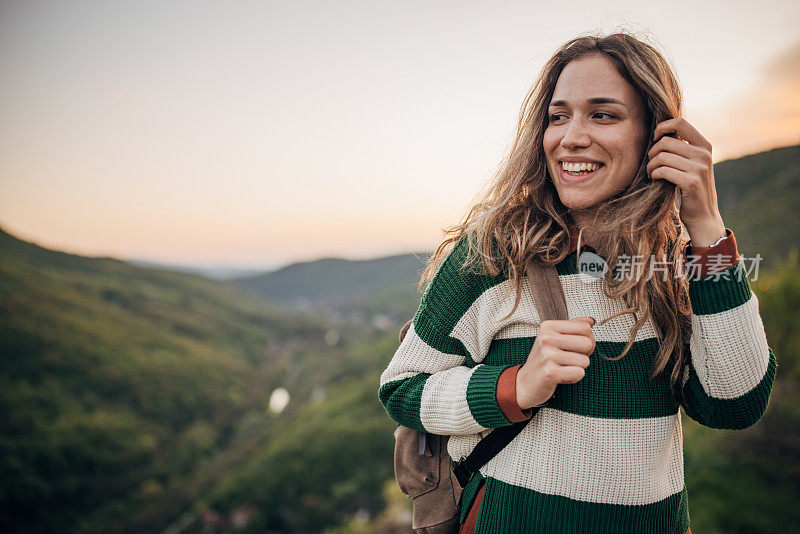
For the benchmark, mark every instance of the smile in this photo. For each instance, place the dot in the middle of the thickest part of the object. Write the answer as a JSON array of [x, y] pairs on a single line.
[[578, 172]]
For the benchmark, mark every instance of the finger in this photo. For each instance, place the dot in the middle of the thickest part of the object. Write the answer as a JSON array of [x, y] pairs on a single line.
[[667, 128], [554, 335], [667, 159], [569, 374], [683, 129], [567, 358], [569, 326], [675, 146], [576, 343], [675, 176]]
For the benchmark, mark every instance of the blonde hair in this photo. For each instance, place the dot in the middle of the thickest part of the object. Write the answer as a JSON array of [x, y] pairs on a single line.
[[520, 218]]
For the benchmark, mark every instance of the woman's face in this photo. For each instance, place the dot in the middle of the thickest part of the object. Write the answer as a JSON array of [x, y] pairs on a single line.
[[597, 118]]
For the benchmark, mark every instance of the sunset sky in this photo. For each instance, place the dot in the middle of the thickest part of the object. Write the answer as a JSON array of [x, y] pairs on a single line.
[[255, 134]]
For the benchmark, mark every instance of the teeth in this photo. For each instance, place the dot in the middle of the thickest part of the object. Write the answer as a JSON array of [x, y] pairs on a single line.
[[578, 167]]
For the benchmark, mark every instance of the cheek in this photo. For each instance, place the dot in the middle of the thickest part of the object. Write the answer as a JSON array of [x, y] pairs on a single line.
[[620, 137], [549, 141], [634, 139], [626, 144]]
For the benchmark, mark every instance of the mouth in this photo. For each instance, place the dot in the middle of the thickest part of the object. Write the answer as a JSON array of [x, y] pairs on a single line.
[[578, 172]]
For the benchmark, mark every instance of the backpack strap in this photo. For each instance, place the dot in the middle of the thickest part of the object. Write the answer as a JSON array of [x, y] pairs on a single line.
[[550, 304], [547, 292]]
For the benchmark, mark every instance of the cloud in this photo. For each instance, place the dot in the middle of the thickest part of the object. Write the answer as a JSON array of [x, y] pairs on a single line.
[[786, 66], [765, 116]]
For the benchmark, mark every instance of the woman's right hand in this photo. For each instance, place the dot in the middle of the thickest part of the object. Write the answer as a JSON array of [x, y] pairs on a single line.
[[559, 356]]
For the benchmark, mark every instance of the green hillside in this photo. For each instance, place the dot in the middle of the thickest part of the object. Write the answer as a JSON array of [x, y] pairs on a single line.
[[129, 393], [136, 402], [759, 197], [345, 290], [342, 280]]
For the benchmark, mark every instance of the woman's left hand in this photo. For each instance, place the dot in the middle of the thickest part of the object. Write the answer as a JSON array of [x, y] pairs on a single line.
[[685, 160]]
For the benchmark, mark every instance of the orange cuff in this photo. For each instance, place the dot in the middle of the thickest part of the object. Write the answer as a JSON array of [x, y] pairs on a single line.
[[507, 396], [711, 260]]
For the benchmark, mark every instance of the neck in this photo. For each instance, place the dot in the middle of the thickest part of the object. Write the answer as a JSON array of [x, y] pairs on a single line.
[[583, 218], [583, 222]]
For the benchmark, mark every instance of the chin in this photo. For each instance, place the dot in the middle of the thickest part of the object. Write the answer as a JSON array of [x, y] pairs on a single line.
[[578, 204]]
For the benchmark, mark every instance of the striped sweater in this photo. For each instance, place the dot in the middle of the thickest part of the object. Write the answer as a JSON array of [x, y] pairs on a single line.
[[606, 454]]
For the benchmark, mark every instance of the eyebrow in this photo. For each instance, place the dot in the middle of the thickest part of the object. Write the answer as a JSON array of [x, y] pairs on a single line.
[[595, 100]]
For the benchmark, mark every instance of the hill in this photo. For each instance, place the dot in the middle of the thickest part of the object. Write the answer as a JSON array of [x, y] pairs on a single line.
[[129, 393], [759, 197], [338, 288]]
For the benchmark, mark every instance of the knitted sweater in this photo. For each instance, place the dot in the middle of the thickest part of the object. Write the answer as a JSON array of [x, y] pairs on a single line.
[[606, 454]]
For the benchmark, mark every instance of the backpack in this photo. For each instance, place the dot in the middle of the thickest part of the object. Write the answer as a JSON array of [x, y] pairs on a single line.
[[423, 468]]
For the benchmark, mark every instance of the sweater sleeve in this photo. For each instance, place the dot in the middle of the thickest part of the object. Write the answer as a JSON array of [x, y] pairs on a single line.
[[701, 261], [731, 369], [436, 381], [507, 396]]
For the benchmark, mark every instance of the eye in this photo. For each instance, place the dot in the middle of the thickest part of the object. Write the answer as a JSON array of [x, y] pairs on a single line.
[[554, 116], [608, 115]]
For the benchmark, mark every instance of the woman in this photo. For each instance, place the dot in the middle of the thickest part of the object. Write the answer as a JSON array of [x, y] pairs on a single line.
[[601, 161]]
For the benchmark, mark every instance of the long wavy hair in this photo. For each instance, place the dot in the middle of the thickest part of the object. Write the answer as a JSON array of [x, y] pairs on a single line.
[[519, 217]]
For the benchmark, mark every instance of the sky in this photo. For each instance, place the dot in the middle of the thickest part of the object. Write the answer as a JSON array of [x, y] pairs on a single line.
[[256, 134]]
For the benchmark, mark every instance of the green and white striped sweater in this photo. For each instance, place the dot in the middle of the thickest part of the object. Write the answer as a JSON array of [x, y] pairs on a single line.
[[606, 455]]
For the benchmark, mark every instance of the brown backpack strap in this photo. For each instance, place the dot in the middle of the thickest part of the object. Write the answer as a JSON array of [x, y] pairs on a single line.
[[405, 329], [547, 292]]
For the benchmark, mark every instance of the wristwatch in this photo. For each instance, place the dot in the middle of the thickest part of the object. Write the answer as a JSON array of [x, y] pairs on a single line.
[[721, 239]]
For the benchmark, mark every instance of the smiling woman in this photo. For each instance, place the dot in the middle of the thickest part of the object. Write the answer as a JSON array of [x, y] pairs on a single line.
[[595, 134], [601, 154]]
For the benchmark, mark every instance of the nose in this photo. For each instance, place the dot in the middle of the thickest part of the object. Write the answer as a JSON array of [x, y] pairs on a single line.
[[576, 135]]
